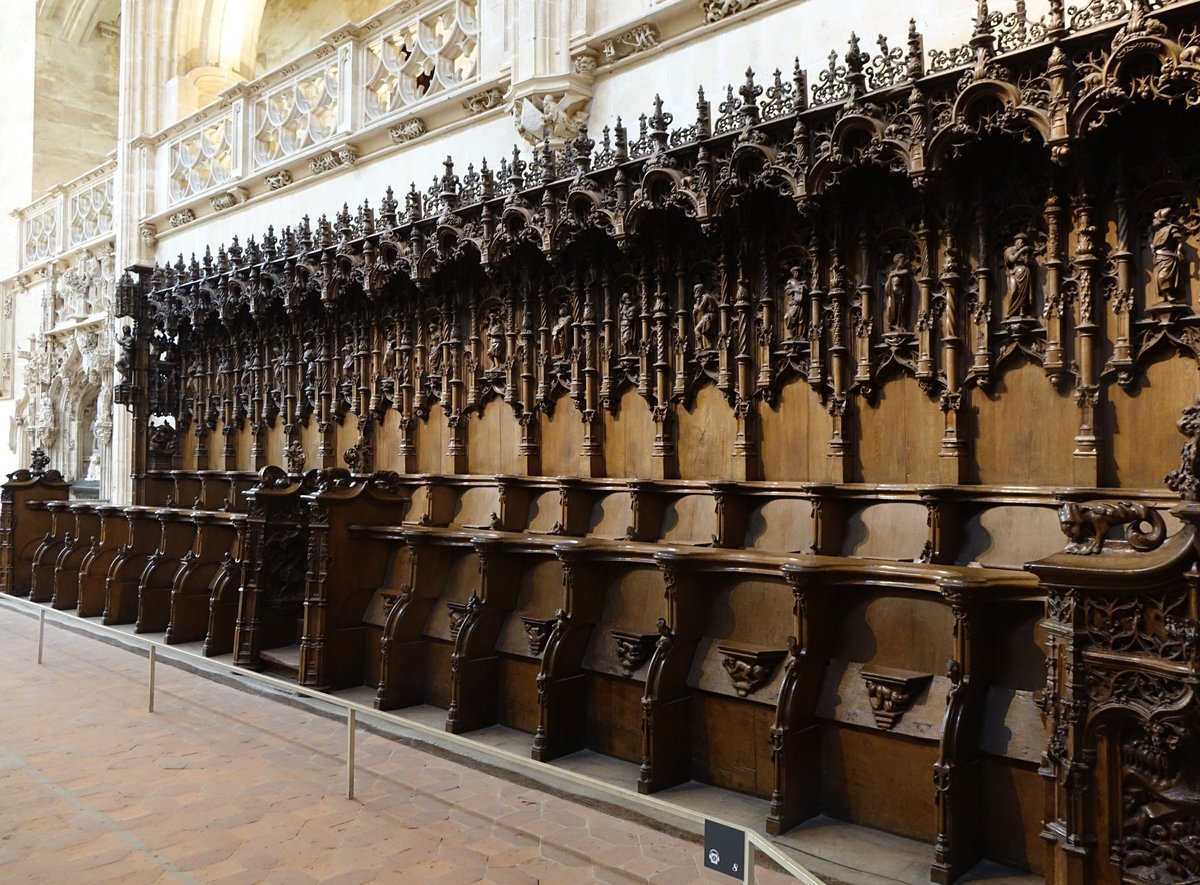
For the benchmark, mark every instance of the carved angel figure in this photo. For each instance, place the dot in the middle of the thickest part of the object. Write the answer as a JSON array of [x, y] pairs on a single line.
[[628, 323], [704, 314], [895, 294], [1021, 270], [560, 333], [1166, 241], [495, 340], [795, 317]]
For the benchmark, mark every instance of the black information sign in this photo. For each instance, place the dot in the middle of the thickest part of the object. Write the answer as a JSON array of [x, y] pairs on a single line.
[[725, 849]]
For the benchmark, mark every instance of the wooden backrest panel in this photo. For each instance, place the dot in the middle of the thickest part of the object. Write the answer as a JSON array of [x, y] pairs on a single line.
[[612, 515], [1008, 536], [545, 512], [690, 519], [475, 506], [780, 525], [887, 530]]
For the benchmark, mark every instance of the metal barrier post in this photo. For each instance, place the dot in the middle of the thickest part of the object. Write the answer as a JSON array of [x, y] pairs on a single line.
[[153, 659], [350, 721], [41, 631]]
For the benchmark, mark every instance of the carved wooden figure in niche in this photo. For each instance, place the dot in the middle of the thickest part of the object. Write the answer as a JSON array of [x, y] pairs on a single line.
[[795, 317], [495, 340], [741, 322], [704, 315], [628, 324], [560, 334], [896, 294], [127, 355], [434, 347], [1021, 268], [1166, 242], [390, 353], [295, 457]]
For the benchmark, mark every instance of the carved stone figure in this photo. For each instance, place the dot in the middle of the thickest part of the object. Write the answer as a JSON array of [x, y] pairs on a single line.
[[628, 323], [704, 315], [1166, 242], [896, 292], [558, 118], [1021, 268], [795, 317], [495, 341]]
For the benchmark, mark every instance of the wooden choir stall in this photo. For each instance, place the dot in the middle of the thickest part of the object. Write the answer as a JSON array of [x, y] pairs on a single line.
[[821, 448]]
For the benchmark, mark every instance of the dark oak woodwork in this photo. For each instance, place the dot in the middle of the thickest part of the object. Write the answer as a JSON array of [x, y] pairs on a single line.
[[817, 450]]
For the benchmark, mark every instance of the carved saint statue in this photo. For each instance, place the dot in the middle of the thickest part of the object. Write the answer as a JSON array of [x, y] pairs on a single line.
[[1166, 241], [390, 355], [433, 346], [127, 356], [895, 294], [704, 315], [495, 340], [628, 323], [560, 333], [795, 317], [1021, 270]]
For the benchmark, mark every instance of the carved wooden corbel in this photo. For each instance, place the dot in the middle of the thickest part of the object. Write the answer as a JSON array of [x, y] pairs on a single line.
[[633, 648], [891, 692], [750, 667]]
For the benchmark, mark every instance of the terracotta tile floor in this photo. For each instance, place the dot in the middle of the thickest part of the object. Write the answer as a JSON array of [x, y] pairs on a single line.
[[219, 785]]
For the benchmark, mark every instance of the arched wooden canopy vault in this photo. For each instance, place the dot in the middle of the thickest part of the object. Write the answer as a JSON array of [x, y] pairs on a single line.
[[889, 320]]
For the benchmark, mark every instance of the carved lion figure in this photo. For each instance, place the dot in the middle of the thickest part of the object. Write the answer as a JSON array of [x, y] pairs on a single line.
[[1078, 521]]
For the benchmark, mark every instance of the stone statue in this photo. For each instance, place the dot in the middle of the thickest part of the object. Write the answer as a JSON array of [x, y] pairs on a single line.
[[895, 294], [795, 317], [560, 334], [495, 340], [1166, 242], [628, 323], [1021, 270], [704, 315]]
